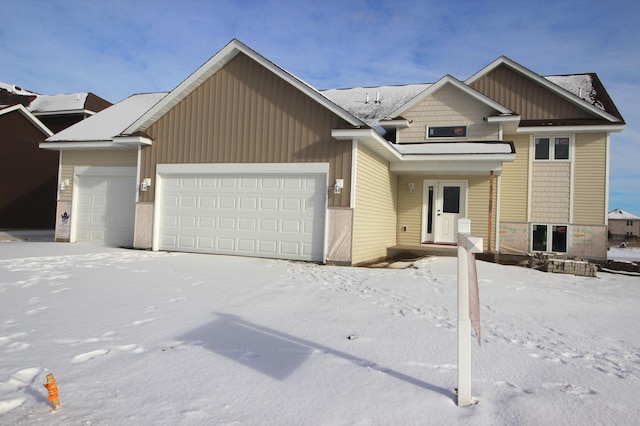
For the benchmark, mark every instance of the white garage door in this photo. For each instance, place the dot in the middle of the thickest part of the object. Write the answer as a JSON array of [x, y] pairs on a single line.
[[105, 205], [273, 212]]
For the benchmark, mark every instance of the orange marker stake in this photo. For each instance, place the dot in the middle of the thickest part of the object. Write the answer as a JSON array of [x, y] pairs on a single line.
[[52, 388]]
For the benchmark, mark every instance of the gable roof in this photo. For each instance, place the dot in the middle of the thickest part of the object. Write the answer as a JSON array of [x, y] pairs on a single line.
[[219, 60], [104, 126], [449, 80], [622, 214], [73, 103], [548, 84], [29, 116]]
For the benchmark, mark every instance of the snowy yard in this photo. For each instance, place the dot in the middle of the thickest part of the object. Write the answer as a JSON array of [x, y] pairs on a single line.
[[137, 337]]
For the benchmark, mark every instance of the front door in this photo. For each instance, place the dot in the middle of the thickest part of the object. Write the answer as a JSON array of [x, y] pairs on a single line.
[[445, 204]]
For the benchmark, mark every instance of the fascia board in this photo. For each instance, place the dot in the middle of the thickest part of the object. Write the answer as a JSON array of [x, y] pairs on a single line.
[[447, 167], [432, 158], [213, 65], [504, 119], [62, 146], [132, 140], [571, 129], [544, 82], [370, 139], [448, 79], [29, 116], [64, 112]]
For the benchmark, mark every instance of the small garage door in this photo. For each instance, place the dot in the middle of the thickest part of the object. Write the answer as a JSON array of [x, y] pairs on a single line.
[[271, 212], [105, 205]]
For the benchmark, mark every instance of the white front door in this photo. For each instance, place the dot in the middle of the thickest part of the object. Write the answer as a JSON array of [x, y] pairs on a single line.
[[445, 203]]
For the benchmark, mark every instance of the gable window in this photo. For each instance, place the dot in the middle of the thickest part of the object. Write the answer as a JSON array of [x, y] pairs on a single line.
[[552, 148], [447, 132], [549, 238]]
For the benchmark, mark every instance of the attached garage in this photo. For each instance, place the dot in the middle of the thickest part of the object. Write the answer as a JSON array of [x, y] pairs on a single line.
[[104, 205], [261, 210]]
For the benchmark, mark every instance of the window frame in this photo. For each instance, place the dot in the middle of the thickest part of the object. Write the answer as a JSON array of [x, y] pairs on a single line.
[[552, 229], [452, 128], [551, 148]]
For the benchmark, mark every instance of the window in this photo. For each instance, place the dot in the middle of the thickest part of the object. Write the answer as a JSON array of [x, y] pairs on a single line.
[[447, 132], [552, 148], [629, 222], [556, 235]]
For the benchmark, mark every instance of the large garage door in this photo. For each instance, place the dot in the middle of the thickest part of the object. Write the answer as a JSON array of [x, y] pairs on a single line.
[[275, 213], [105, 205]]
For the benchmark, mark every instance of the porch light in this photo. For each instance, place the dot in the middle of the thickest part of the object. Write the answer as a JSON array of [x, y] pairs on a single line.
[[412, 186]]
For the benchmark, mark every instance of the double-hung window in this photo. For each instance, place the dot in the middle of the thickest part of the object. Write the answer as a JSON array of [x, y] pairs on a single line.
[[552, 147], [549, 238]]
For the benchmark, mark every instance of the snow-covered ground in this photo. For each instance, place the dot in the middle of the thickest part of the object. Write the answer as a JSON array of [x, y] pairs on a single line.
[[137, 337]]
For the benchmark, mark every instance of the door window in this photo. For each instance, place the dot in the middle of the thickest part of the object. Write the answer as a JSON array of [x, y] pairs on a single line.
[[451, 199]]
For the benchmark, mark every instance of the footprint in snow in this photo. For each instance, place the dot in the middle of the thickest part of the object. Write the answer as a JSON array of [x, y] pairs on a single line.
[[37, 310], [87, 356], [20, 379], [144, 321], [10, 404], [132, 348]]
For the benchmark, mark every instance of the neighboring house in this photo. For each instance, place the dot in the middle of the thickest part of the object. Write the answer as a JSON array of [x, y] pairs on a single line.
[[244, 158], [623, 224], [29, 175]]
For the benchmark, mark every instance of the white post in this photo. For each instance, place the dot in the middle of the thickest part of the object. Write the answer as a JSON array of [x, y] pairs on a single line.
[[466, 243]]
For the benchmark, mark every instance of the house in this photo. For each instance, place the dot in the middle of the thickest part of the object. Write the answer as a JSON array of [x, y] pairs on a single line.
[[29, 175], [623, 224], [244, 158]]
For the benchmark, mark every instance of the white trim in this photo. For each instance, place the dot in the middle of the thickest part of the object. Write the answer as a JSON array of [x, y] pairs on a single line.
[[199, 168], [448, 79], [58, 189], [532, 147], [138, 162], [438, 166], [217, 62], [607, 172], [498, 221], [29, 116], [354, 165], [59, 146], [571, 129], [85, 112], [572, 176]]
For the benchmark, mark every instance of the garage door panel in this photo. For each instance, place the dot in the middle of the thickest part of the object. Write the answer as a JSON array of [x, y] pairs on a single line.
[[264, 215], [105, 207]]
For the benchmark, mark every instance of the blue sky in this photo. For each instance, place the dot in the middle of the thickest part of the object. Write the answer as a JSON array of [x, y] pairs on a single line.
[[115, 48]]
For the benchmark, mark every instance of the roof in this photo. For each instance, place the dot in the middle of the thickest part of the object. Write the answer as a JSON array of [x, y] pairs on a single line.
[[38, 104], [111, 122], [213, 65], [28, 115], [621, 214], [372, 104]]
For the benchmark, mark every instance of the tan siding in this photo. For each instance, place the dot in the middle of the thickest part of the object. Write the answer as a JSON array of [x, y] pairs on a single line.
[[529, 99], [93, 158], [478, 207], [449, 106], [410, 205], [550, 191], [590, 179], [246, 114], [375, 212], [514, 186]]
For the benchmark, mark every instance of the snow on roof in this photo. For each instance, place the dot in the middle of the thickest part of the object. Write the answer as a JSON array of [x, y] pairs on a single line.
[[51, 103], [110, 122], [372, 104], [454, 148], [581, 85], [621, 214], [12, 88]]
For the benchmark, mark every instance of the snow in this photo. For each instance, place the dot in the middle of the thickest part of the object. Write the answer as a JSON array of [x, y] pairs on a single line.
[[361, 101], [58, 103], [110, 122], [139, 337], [622, 214], [580, 85], [454, 148]]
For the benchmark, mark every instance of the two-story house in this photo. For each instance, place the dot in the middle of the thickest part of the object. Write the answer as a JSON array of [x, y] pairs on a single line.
[[244, 158]]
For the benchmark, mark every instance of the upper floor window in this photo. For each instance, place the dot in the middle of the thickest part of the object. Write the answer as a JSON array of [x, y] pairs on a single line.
[[629, 222], [552, 148], [447, 132]]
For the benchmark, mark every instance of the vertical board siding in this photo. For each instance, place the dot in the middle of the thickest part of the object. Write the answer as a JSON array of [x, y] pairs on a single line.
[[93, 158], [375, 213], [449, 106], [514, 183], [246, 114], [590, 179], [528, 98]]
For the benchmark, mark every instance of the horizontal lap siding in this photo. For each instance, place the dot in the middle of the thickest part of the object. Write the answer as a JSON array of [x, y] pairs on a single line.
[[590, 179], [375, 214], [93, 158], [410, 206], [246, 114], [513, 184]]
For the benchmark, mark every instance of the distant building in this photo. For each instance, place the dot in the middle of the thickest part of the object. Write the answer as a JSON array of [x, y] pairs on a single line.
[[623, 224], [29, 175]]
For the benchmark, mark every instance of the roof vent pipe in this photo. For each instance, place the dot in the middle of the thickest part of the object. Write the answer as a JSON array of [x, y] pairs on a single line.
[[377, 97], [366, 100]]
